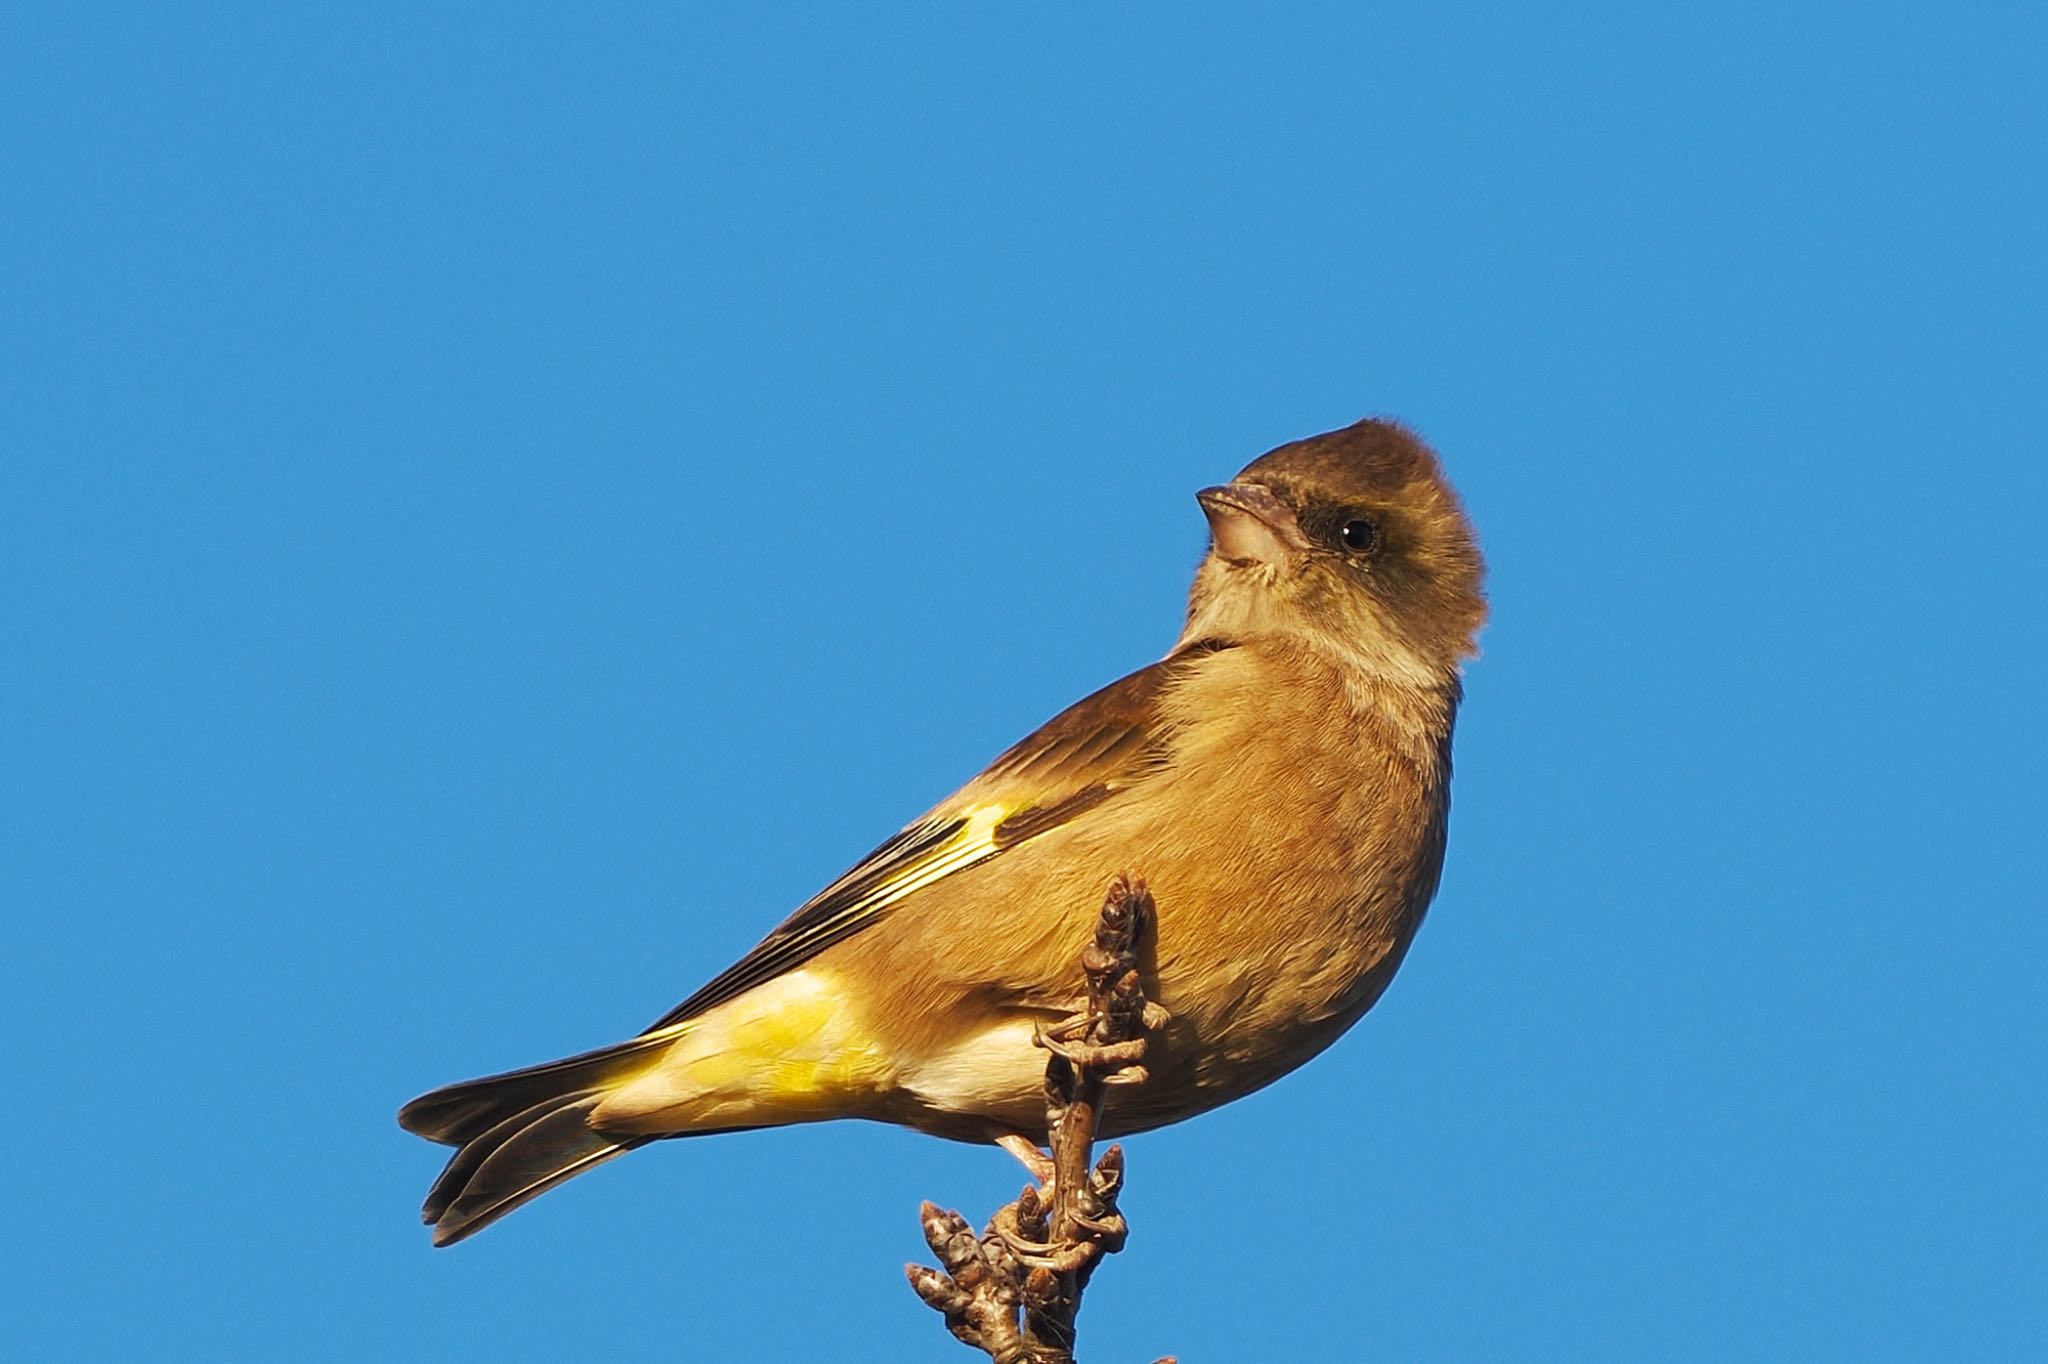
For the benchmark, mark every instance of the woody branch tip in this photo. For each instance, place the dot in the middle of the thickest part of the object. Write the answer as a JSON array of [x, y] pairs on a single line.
[[1013, 1292]]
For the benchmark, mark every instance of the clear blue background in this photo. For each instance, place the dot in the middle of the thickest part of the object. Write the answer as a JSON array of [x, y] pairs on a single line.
[[497, 505]]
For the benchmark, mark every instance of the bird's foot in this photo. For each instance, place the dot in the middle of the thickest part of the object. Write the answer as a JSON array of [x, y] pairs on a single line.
[[1115, 1062]]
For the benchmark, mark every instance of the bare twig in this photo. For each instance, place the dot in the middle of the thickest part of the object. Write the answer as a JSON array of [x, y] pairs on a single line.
[[1037, 1254]]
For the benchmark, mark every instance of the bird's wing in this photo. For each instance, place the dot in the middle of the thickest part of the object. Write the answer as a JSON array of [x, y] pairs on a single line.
[[1074, 762]]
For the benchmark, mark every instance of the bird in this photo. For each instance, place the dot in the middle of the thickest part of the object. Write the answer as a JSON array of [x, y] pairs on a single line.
[[1281, 778]]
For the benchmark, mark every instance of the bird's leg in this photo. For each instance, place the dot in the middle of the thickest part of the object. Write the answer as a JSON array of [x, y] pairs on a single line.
[[1036, 1162]]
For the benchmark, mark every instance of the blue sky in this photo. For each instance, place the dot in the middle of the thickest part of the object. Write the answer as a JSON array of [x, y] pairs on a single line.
[[499, 504]]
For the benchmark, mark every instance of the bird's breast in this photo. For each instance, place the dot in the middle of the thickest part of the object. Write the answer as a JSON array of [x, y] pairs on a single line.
[[1291, 849]]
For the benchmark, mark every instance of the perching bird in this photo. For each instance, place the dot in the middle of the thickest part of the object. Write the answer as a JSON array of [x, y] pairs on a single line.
[[1281, 778]]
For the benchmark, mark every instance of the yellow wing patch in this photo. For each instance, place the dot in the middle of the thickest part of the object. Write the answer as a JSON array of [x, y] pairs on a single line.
[[975, 840]]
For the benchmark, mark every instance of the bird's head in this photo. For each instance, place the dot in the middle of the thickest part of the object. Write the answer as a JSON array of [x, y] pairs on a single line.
[[1351, 542]]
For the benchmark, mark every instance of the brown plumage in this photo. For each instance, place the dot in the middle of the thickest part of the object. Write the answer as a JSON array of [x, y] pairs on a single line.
[[1281, 778]]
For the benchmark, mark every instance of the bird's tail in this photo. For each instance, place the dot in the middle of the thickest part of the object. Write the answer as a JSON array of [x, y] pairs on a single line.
[[521, 1133]]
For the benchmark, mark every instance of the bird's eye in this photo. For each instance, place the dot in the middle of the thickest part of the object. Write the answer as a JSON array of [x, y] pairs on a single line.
[[1358, 536]]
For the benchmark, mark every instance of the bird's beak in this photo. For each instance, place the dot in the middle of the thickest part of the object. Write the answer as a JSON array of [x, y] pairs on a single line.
[[1250, 524]]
